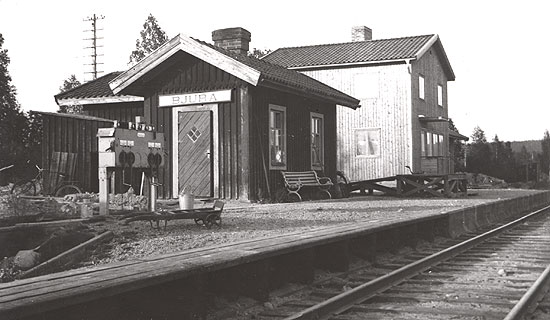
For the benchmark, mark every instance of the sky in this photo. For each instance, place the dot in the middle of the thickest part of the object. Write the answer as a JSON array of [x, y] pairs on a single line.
[[497, 49]]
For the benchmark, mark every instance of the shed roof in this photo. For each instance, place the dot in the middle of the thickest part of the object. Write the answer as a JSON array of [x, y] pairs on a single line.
[[94, 92], [359, 53], [249, 69]]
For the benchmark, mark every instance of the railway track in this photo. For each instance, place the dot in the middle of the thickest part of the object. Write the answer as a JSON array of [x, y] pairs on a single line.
[[489, 276]]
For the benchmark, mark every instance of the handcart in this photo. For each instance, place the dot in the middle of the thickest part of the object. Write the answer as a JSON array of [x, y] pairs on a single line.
[[202, 216]]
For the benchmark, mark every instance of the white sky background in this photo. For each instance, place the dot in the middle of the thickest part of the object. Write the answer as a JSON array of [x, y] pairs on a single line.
[[498, 49]]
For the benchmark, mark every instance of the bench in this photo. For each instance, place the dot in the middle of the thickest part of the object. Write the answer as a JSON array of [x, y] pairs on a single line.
[[295, 181]]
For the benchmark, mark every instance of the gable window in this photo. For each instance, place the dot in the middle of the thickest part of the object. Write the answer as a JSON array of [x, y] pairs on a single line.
[[440, 95], [277, 137], [367, 142], [421, 86], [317, 139]]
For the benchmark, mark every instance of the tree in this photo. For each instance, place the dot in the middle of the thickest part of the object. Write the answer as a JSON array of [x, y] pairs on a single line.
[[479, 153], [456, 149], [259, 53], [68, 84], [545, 157], [152, 37], [15, 147]]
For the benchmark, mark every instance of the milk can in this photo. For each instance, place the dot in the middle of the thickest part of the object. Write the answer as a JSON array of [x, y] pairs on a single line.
[[186, 199]]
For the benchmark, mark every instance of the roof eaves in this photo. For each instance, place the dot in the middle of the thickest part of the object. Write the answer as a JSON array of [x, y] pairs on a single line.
[[352, 64], [97, 100], [343, 99], [192, 47]]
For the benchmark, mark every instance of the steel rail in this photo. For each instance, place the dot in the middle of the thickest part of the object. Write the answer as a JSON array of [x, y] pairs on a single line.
[[529, 300], [345, 300]]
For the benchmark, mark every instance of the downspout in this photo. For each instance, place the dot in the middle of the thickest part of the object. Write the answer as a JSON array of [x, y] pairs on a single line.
[[411, 119]]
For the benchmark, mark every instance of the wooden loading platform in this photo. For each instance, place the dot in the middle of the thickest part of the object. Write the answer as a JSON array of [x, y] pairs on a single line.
[[181, 285], [413, 185]]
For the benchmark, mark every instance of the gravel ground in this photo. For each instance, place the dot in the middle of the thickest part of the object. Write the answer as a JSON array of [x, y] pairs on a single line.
[[242, 221]]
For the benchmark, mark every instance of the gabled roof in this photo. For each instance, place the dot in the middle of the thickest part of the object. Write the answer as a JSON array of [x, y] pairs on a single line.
[[359, 53], [249, 69], [94, 92]]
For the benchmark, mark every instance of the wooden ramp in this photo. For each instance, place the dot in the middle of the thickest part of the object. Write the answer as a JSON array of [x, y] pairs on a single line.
[[414, 185]]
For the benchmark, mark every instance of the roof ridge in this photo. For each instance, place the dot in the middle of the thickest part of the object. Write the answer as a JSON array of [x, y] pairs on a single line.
[[352, 42]]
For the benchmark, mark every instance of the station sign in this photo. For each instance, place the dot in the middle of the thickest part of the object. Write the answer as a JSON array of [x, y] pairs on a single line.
[[187, 99]]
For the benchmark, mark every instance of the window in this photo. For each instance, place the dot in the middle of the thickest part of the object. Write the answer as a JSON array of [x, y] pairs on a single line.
[[367, 142], [317, 139], [423, 142], [440, 95], [431, 144], [421, 86], [277, 137]]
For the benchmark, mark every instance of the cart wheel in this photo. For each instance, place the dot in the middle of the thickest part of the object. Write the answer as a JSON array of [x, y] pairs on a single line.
[[24, 188], [213, 219], [199, 221]]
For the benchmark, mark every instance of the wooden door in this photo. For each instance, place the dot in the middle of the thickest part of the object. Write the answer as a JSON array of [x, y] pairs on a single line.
[[194, 152]]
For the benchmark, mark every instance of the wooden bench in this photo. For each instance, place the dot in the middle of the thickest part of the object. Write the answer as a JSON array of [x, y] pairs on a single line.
[[295, 181]]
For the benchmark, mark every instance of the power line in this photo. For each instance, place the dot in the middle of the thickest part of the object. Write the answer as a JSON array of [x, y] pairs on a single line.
[[94, 46]]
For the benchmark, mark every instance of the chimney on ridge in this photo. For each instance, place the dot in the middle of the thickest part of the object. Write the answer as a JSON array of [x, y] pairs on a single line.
[[361, 33], [232, 39]]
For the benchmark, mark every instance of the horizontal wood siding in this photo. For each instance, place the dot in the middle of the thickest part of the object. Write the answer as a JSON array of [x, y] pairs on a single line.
[[122, 111], [189, 74], [74, 135], [430, 67], [386, 107], [298, 139]]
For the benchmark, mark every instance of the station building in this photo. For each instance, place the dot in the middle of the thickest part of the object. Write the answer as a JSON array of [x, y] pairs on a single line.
[[231, 122]]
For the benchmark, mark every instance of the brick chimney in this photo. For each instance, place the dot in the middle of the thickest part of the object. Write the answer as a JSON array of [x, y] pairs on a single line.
[[361, 33], [232, 39]]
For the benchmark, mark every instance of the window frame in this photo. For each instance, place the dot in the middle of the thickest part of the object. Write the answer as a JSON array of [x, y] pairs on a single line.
[[440, 95], [283, 164], [321, 164], [378, 130], [421, 87], [431, 144]]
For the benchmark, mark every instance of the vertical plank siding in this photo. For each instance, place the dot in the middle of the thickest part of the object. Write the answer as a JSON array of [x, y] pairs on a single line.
[[73, 134], [388, 110], [122, 111], [430, 67], [194, 75], [298, 139]]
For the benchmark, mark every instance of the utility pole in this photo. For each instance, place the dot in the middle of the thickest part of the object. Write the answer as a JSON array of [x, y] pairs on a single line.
[[94, 44]]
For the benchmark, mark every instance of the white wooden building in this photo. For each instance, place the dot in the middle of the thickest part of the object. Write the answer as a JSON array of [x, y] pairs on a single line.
[[402, 86]]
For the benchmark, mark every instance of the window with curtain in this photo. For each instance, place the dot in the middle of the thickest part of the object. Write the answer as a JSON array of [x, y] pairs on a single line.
[[317, 141], [277, 137], [367, 142]]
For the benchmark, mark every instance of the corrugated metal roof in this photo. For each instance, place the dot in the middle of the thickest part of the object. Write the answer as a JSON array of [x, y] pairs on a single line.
[[349, 52]]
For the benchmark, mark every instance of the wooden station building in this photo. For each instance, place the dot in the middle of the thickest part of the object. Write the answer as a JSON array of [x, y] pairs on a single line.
[[402, 85], [231, 122]]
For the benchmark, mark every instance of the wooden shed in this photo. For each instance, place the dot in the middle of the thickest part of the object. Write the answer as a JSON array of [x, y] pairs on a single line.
[[73, 134], [402, 85], [232, 122]]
